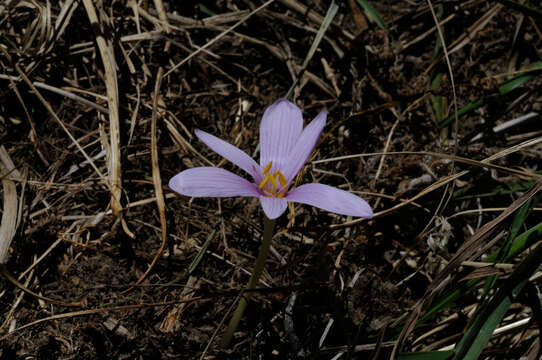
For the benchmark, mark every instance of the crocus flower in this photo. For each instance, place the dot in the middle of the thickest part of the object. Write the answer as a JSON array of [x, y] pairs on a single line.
[[284, 148]]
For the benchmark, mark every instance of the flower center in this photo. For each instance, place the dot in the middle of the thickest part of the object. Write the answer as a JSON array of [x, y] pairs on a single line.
[[273, 185]]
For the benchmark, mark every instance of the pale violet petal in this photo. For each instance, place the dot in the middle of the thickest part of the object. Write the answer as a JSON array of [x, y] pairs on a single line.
[[211, 182], [331, 199], [280, 129], [273, 207], [304, 146], [230, 152]]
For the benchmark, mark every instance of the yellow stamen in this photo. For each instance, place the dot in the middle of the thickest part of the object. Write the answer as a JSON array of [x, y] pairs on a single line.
[[282, 179], [273, 189], [267, 168], [273, 181], [264, 181]]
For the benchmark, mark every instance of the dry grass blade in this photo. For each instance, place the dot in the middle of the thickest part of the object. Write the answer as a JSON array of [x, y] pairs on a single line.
[[441, 182], [452, 177], [33, 134], [302, 9], [108, 59], [180, 140], [386, 145], [331, 12], [474, 246], [4, 271], [311, 14], [10, 219], [483, 164], [157, 181], [218, 37], [103, 310], [9, 214], [62, 125], [478, 26], [15, 304], [469, 34], [470, 250], [64, 18], [72, 96]]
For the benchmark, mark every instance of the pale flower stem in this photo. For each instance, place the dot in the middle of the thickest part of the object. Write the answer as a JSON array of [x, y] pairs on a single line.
[[254, 278]]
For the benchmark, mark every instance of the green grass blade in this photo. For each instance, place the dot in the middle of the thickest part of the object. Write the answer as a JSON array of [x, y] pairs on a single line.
[[488, 317], [505, 189], [193, 265], [447, 300], [478, 335], [438, 102], [503, 89], [520, 243], [514, 83], [330, 15], [200, 254], [372, 13], [517, 222], [204, 9], [464, 110]]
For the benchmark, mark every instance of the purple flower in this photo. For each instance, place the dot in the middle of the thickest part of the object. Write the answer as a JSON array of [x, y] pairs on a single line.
[[284, 147]]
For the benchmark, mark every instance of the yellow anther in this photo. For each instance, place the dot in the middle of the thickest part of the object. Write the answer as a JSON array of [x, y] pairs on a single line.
[[282, 179], [264, 181], [273, 181], [267, 168], [273, 189]]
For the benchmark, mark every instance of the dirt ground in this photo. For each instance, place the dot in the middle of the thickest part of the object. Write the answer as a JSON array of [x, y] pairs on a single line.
[[98, 105]]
